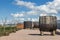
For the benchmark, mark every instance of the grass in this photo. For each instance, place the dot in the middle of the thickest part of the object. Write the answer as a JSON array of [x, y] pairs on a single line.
[[7, 30]]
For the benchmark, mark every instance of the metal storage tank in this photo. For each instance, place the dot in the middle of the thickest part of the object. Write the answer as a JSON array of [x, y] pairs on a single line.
[[36, 24], [58, 24], [48, 23], [20, 26], [28, 24]]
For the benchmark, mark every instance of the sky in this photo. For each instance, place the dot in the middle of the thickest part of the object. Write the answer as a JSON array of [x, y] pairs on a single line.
[[28, 10]]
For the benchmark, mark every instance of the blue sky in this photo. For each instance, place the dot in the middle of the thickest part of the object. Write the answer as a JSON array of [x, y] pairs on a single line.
[[28, 9]]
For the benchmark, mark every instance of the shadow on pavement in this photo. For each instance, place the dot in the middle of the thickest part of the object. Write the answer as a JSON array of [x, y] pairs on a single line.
[[40, 34]]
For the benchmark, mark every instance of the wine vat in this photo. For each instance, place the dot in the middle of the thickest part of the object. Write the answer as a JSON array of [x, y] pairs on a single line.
[[27, 24], [48, 23]]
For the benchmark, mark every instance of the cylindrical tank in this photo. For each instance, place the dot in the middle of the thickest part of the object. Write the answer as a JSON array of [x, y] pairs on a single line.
[[20, 26], [47, 23], [36, 24], [28, 24]]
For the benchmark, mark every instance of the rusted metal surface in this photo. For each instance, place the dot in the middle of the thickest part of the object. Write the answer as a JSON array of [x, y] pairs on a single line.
[[47, 23], [20, 26]]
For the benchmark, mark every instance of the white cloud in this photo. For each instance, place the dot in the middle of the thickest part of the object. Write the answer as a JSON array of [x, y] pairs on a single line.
[[43, 14], [22, 19], [33, 12], [35, 19], [23, 3], [28, 19], [18, 20], [49, 8], [17, 14], [5, 21], [53, 15]]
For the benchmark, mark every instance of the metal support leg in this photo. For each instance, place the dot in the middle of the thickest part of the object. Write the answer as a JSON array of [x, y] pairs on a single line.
[[53, 32], [41, 32]]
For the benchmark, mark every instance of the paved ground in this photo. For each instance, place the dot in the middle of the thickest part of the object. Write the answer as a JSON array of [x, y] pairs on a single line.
[[26, 34]]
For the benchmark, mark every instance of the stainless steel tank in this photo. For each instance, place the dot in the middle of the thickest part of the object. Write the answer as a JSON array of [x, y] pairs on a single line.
[[48, 23], [28, 24]]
